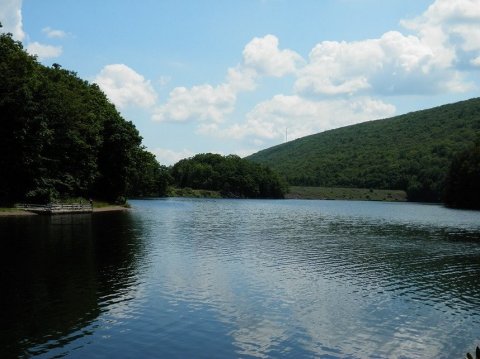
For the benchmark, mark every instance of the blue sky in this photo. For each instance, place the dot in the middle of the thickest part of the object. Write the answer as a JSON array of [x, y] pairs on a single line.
[[231, 76]]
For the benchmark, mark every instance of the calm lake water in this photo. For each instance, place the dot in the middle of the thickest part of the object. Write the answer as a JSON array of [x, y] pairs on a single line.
[[185, 278]]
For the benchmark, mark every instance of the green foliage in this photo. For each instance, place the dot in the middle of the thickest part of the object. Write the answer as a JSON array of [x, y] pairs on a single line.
[[147, 178], [230, 175], [462, 188], [60, 137], [411, 152]]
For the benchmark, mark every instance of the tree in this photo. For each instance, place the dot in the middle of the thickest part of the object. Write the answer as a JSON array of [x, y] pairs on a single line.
[[462, 188], [22, 130], [230, 175], [61, 137], [147, 178]]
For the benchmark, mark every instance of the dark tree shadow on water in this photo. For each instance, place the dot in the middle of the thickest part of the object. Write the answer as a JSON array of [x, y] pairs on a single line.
[[57, 275]]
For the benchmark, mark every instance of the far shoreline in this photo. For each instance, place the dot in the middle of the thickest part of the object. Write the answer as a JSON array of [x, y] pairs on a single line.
[[112, 208]]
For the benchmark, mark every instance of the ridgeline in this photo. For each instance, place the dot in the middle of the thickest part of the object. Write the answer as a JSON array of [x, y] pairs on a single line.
[[411, 152]]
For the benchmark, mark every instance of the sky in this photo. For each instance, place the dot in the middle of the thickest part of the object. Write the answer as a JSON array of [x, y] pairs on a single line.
[[239, 76]]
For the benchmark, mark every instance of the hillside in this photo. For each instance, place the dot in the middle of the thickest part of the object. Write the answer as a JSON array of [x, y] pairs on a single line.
[[410, 152], [60, 137]]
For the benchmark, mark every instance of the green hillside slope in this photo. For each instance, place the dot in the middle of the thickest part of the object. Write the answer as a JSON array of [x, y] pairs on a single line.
[[410, 152]]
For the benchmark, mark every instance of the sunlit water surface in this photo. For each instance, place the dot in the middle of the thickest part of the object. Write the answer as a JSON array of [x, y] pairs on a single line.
[[242, 278]]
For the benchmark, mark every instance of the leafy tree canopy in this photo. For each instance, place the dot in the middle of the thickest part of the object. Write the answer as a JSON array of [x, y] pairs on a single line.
[[231, 175], [61, 137], [462, 188]]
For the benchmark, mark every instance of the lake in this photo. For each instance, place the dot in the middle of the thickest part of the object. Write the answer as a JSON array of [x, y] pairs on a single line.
[[199, 278]]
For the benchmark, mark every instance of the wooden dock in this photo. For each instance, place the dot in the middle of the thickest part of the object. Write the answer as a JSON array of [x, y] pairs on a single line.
[[56, 208]]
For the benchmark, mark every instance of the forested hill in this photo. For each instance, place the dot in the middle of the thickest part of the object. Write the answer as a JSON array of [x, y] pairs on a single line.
[[60, 137], [412, 152]]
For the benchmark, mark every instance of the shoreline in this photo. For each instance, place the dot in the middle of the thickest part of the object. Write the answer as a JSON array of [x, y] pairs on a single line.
[[112, 208], [22, 213]]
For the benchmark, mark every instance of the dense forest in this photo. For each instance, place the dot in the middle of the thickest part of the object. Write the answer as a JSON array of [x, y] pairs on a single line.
[[412, 152], [60, 137], [230, 175], [462, 187]]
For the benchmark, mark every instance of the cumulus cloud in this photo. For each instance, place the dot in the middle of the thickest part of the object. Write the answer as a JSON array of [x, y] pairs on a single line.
[[202, 103], [11, 18], [449, 26], [269, 119], [336, 68], [428, 61], [207, 103], [242, 78], [43, 51], [391, 65], [125, 87], [264, 56], [54, 34]]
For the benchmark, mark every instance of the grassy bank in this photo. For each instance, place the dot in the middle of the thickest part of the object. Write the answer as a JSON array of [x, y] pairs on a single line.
[[359, 194], [8, 209], [192, 193], [300, 192]]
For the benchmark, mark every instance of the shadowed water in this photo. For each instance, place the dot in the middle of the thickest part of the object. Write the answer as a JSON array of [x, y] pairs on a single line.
[[240, 278]]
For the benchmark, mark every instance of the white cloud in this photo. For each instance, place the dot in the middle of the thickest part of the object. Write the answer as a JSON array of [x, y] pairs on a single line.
[[44, 51], [264, 56], [11, 18], [448, 12], [449, 26], [269, 119], [476, 61], [54, 34], [207, 103], [454, 10], [169, 157], [201, 103], [338, 68], [242, 78], [429, 61], [125, 87], [392, 64]]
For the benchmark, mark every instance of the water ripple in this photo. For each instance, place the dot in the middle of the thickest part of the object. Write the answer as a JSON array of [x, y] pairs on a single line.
[[229, 278]]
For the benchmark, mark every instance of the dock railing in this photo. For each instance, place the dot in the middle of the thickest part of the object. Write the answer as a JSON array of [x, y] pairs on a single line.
[[52, 208]]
